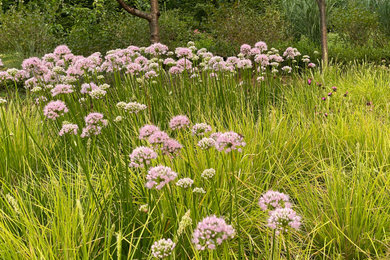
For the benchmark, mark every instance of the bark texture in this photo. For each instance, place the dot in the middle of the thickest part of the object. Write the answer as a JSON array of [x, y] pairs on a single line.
[[151, 17], [323, 29]]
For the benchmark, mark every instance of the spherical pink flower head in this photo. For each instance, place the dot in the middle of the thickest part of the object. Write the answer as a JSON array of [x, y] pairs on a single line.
[[232, 60], [272, 200], [133, 68], [142, 155], [159, 176], [141, 60], [61, 89], [262, 59], [150, 74], [244, 64], [276, 58], [184, 52], [55, 109], [175, 70], [68, 129], [262, 46], [311, 65], [291, 53], [147, 130], [215, 135], [245, 49], [229, 141], [171, 147], [200, 129], [156, 49], [61, 50], [184, 63], [163, 248], [169, 61], [282, 218], [211, 232], [158, 137], [94, 124], [178, 122], [255, 51], [35, 66], [86, 88]]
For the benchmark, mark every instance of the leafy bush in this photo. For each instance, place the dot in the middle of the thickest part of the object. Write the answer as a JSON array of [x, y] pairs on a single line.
[[234, 26], [26, 31], [357, 25]]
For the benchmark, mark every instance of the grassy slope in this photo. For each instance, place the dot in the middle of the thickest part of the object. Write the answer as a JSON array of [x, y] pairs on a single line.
[[334, 168]]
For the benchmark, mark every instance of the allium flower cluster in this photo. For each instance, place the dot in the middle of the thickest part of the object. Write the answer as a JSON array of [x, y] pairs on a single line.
[[211, 232], [282, 218], [206, 143], [55, 109], [291, 53], [163, 248], [158, 137], [132, 107], [200, 129], [159, 176], [156, 49], [272, 200], [185, 182], [94, 124], [3, 101], [68, 128], [208, 173], [179, 122], [147, 130], [199, 190], [61, 89], [171, 147], [230, 141], [142, 155]]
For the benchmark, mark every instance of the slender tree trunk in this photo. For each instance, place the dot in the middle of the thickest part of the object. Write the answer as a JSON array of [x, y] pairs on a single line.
[[153, 23], [151, 17], [323, 29]]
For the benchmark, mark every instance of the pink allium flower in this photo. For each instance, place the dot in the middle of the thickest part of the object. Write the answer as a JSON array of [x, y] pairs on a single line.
[[176, 70], [309, 81], [184, 63], [159, 176], [61, 89], [134, 68], [211, 232], [183, 52], [150, 74], [156, 49], [86, 88], [171, 147], [291, 53], [229, 141], [55, 109], [178, 122], [272, 200], [282, 218], [35, 66], [276, 58], [287, 69], [147, 130], [262, 46], [94, 124], [245, 49], [215, 135], [158, 137], [200, 129], [311, 65], [163, 248], [169, 61], [206, 143], [62, 50], [68, 129], [244, 64], [232, 60], [142, 155], [255, 51]]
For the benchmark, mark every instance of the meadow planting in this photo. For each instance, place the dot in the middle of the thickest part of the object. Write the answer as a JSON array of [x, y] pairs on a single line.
[[152, 153]]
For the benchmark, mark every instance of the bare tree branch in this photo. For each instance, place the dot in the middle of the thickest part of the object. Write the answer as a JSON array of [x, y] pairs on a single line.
[[134, 11]]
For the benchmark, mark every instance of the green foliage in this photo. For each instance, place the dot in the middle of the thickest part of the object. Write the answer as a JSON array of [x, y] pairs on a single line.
[[357, 24], [26, 31], [232, 27]]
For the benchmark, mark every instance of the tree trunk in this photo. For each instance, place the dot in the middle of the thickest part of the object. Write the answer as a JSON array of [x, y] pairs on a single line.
[[153, 22], [323, 30], [151, 17]]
